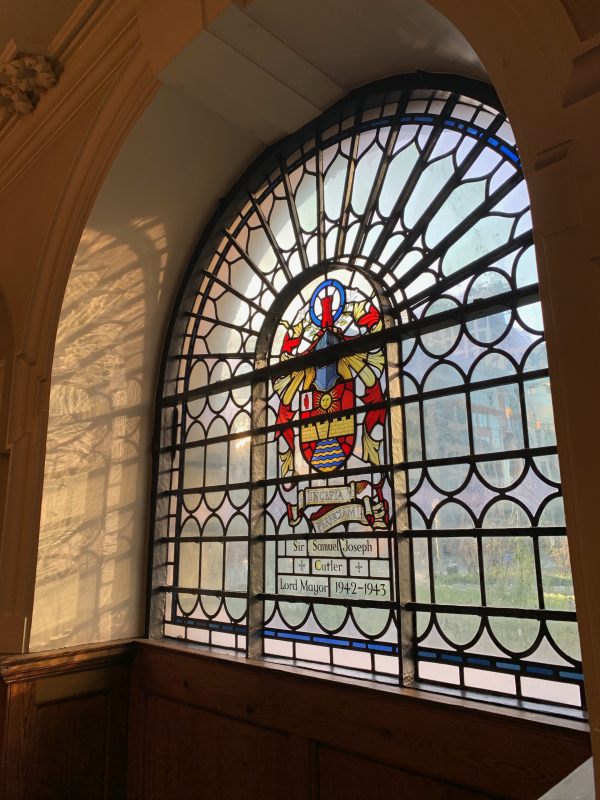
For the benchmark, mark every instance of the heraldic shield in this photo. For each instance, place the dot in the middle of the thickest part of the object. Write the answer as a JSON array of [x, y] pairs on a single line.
[[327, 443]]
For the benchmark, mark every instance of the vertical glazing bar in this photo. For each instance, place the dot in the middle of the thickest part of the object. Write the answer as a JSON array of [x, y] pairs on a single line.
[[404, 579], [320, 199], [256, 547], [163, 471], [348, 185]]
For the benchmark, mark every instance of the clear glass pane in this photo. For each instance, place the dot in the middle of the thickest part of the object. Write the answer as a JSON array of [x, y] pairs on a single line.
[[540, 417], [510, 576], [446, 427], [212, 565], [189, 565], [496, 419], [216, 464], [456, 571], [556, 573], [193, 468], [236, 567]]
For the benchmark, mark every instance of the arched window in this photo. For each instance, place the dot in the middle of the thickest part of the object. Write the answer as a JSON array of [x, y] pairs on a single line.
[[356, 463]]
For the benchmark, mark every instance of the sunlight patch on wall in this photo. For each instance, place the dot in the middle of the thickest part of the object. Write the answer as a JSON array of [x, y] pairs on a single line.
[[93, 525]]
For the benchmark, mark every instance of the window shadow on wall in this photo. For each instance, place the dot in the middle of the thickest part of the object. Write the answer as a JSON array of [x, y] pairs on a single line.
[[93, 528]]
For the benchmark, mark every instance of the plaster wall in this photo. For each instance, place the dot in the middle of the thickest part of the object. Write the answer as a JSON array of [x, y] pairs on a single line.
[[94, 517]]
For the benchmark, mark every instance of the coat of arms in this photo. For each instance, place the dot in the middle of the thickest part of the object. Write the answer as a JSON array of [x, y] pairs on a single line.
[[339, 409]]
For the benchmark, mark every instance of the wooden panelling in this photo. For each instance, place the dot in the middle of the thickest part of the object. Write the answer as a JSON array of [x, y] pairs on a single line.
[[416, 744], [187, 748], [220, 728], [65, 724], [348, 777], [70, 748]]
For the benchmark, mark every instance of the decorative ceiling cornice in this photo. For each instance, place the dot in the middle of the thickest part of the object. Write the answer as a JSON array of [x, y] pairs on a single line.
[[26, 74], [97, 43]]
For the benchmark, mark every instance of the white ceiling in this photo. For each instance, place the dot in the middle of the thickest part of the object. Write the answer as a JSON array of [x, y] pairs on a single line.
[[273, 65], [354, 42]]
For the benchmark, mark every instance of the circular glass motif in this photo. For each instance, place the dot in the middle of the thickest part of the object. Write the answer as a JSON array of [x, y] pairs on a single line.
[[327, 303]]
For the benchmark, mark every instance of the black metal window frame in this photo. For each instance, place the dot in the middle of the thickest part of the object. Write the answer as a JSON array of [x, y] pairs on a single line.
[[271, 173]]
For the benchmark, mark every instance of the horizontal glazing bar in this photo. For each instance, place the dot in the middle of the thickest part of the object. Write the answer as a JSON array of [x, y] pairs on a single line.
[[284, 537], [207, 592], [181, 621], [493, 611], [551, 530], [364, 470], [326, 640], [496, 662], [524, 453], [433, 394], [318, 537], [456, 316], [194, 539], [329, 601], [472, 386], [221, 487]]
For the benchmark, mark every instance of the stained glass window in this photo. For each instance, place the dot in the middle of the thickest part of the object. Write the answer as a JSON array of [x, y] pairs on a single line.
[[356, 465]]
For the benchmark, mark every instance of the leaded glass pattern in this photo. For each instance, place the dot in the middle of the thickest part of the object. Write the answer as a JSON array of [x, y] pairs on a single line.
[[356, 460], [330, 566]]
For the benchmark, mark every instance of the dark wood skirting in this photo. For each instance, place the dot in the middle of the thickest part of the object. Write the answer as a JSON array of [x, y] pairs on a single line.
[[170, 722], [248, 730]]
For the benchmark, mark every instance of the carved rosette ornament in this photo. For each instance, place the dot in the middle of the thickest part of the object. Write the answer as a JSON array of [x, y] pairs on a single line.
[[25, 75]]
